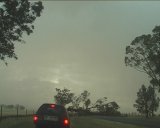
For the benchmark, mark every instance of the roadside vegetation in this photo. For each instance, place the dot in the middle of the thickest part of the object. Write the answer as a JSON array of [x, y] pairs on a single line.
[[25, 122], [92, 122], [82, 105]]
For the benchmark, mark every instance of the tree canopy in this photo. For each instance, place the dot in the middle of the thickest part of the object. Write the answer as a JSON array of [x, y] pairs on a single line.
[[147, 102], [100, 104], [109, 108], [76, 102], [83, 105], [143, 54], [85, 99], [16, 18], [63, 96]]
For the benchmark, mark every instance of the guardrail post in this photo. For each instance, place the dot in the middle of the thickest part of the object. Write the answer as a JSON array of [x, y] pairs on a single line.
[[1, 111]]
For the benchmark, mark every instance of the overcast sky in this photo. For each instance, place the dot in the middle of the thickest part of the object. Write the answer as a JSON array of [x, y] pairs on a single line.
[[80, 46]]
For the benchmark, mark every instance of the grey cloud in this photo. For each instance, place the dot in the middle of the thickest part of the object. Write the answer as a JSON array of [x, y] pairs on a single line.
[[79, 46], [29, 92]]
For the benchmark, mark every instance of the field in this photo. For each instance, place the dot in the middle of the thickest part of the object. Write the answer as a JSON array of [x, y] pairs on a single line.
[[92, 122], [76, 122], [25, 122], [149, 123]]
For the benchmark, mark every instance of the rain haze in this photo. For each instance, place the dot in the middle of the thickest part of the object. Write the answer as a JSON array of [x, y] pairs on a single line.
[[79, 45]]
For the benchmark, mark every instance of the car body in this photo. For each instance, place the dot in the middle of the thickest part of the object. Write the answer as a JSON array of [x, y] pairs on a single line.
[[51, 116]]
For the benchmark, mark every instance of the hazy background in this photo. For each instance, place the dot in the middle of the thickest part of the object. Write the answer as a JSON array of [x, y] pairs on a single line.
[[80, 46]]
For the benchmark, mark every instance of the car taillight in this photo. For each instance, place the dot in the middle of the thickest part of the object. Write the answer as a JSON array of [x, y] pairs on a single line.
[[35, 118], [66, 122], [52, 105]]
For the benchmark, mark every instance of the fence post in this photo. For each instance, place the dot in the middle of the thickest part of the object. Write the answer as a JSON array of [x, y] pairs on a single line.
[[26, 112], [17, 110], [1, 111]]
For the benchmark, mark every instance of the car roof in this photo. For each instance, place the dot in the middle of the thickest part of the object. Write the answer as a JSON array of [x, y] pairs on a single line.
[[44, 108], [57, 105]]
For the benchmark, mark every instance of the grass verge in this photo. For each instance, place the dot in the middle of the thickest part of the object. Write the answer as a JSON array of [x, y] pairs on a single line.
[[90, 122], [25, 122]]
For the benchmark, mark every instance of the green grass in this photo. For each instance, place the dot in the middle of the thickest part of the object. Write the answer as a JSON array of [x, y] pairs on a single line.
[[25, 122], [76, 122], [90, 122]]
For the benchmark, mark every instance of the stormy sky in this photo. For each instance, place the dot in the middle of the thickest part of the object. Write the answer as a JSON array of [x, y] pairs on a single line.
[[81, 46]]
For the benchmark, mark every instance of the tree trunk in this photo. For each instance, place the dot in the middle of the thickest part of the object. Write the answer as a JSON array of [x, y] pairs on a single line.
[[152, 113], [147, 114]]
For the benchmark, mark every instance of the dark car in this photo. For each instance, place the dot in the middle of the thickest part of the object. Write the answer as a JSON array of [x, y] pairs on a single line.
[[51, 116]]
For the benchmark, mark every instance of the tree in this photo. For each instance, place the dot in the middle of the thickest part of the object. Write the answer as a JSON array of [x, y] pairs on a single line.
[[146, 102], [84, 97], [87, 103], [143, 54], [100, 104], [107, 108], [111, 108], [63, 96], [114, 105], [76, 102], [154, 100], [16, 18]]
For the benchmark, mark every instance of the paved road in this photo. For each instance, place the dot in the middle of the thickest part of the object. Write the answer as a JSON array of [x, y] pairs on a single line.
[[147, 123]]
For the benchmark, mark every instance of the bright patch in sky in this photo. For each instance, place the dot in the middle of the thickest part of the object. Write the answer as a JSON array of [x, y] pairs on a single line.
[[55, 81]]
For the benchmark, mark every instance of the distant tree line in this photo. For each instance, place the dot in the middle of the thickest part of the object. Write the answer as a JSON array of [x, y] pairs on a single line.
[[21, 107], [83, 105]]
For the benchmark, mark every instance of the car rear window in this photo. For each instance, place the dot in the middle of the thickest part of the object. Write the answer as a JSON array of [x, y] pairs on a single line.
[[46, 109]]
